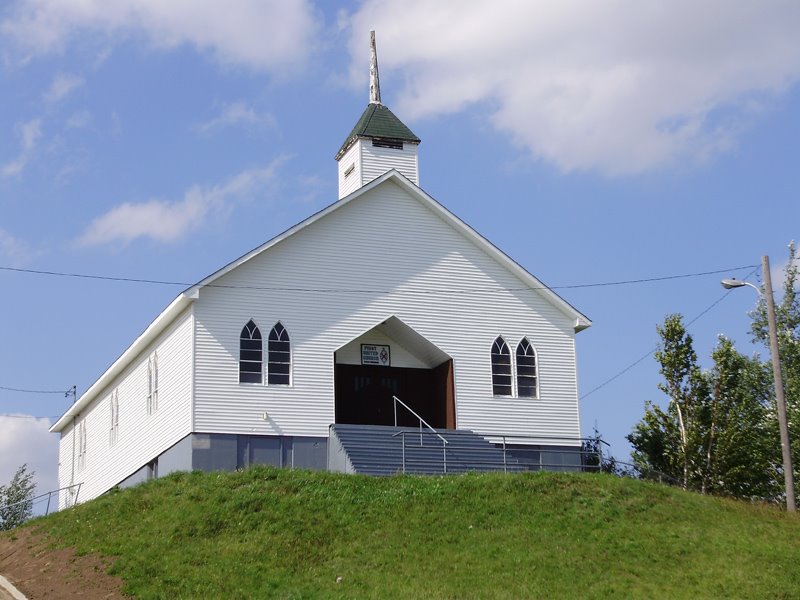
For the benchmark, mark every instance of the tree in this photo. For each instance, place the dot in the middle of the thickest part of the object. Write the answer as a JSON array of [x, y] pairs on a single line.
[[671, 441], [714, 435], [16, 500], [740, 456]]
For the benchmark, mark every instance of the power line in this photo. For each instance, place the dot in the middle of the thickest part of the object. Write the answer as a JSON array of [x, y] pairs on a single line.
[[7, 416], [651, 352], [374, 291], [24, 391]]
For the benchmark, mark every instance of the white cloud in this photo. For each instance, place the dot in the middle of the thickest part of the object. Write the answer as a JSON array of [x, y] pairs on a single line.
[[29, 133], [79, 120], [62, 86], [263, 34], [14, 251], [238, 113], [169, 221], [617, 87], [26, 440]]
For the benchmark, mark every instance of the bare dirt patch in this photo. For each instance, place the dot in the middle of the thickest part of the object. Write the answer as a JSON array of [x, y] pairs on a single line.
[[42, 572]]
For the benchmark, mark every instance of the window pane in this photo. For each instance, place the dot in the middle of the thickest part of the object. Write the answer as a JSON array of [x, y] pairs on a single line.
[[501, 380], [253, 355], [501, 370], [526, 371], [250, 367], [278, 379], [527, 391], [278, 333], [250, 344], [526, 360], [501, 390], [279, 368], [250, 377], [280, 346], [280, 357]]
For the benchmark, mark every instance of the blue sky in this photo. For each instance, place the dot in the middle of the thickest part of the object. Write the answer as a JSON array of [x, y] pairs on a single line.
[[592, 143]]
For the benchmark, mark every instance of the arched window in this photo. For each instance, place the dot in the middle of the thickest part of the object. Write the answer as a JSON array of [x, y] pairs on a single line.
[[250, 354], [527, 379], [501, 368], [279, 366]]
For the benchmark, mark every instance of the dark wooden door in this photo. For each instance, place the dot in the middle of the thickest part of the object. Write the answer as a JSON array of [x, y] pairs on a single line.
[[364, 395]]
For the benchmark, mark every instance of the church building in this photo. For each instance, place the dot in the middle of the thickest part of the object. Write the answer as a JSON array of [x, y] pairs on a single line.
[[383, 311]]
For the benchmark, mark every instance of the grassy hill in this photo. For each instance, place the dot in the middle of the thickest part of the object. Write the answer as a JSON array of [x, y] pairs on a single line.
[[297, 534]]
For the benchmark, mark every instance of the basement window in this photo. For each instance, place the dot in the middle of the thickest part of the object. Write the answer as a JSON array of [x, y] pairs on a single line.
[[384, 143], [501, 368]]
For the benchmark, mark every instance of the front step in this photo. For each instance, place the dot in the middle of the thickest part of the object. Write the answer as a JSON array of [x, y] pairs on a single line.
[[379, 450]]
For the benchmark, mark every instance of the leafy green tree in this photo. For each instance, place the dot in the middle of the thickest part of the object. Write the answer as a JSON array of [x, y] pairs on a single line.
[[740, 456], [714, 435], [671, 440], [16, 499]]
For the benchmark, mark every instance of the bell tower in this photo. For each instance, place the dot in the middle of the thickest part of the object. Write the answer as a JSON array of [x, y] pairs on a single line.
[[379, 141]]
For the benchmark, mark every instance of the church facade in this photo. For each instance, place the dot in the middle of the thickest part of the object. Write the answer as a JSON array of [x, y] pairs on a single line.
[[384, 293]]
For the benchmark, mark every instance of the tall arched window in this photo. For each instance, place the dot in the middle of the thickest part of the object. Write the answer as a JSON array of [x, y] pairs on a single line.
[[250, 354], [501, 368], [279, 366], [527, 378]]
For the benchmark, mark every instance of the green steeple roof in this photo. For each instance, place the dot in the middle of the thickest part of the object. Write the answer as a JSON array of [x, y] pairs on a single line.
[[377, 121]]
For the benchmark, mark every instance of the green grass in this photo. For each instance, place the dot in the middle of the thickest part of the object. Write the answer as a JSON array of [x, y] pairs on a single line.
[[290, 534]]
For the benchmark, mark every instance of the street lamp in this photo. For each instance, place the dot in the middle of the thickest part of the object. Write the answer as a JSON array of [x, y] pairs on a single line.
[[780, 401]]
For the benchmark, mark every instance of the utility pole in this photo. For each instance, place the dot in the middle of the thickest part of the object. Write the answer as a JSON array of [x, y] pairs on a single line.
[[780, 400]]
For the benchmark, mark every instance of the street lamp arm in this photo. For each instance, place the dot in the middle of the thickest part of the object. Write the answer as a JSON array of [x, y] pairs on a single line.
[[730, 284]]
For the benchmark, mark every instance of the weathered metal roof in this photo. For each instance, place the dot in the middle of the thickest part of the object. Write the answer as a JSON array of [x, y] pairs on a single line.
[[377, 121]]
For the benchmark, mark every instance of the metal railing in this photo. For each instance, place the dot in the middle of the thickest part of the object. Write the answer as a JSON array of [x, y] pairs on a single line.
[[519, 453], [402, 434], [73, 500]]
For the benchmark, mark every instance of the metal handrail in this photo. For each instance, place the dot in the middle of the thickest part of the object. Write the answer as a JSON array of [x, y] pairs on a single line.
[[422, 421], [403, 434], [49, 495]]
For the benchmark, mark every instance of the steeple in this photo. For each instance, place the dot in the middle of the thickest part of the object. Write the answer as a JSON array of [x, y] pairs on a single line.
[[379, 141], [374, 79]]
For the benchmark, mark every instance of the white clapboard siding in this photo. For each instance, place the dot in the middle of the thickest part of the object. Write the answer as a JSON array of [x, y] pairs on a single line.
[[369, 162], [376, 161], [350, 180], [141, 437], [390, 245]]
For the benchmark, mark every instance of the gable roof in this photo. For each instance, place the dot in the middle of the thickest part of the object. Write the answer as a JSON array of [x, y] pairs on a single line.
[[377, 121], [581, 321], [187, 297]]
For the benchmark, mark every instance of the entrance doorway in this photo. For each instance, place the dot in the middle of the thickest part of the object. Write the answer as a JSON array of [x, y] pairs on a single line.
[[364, 395]]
